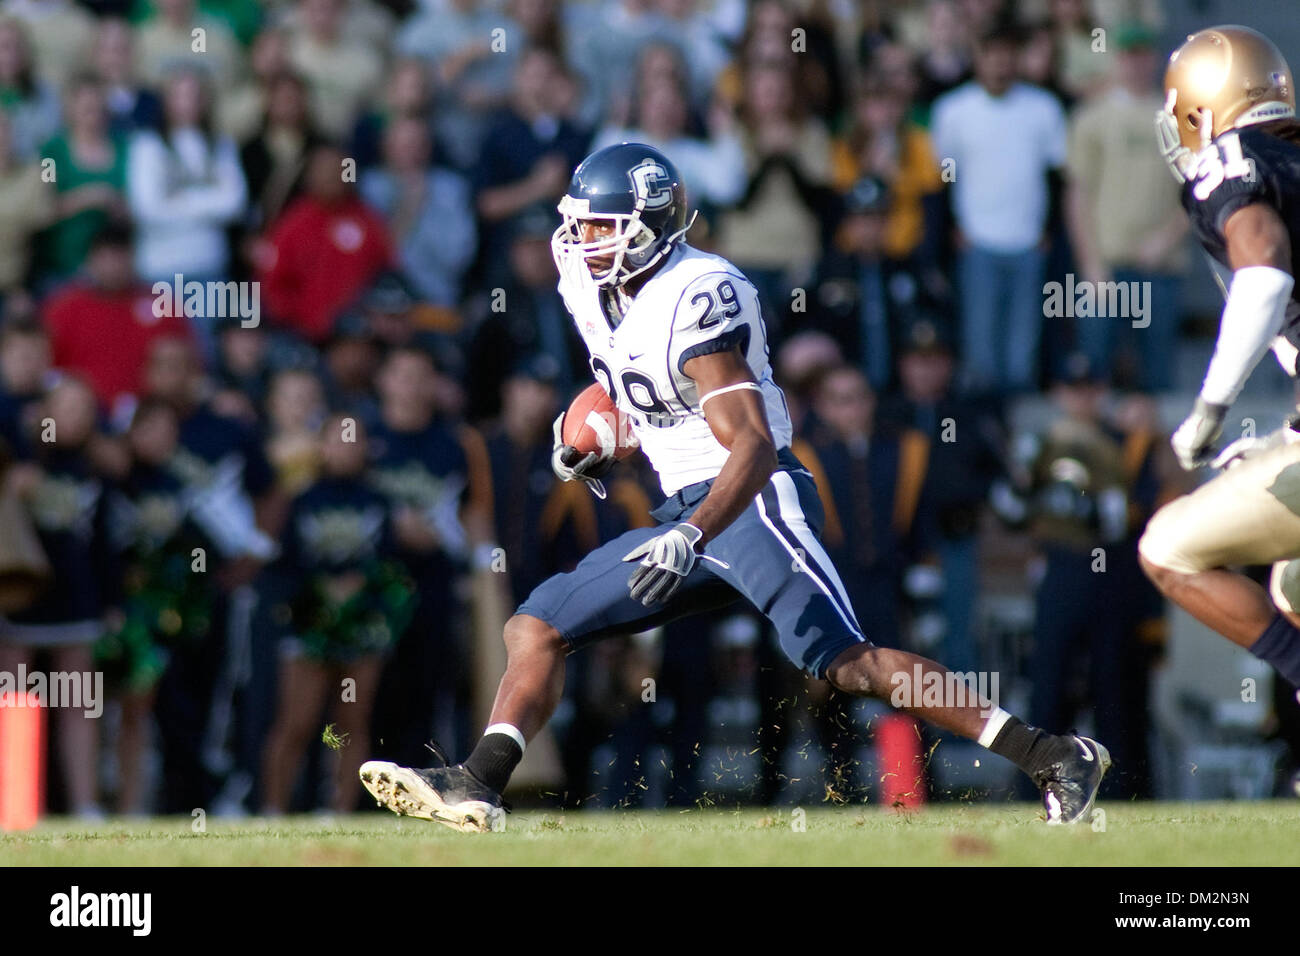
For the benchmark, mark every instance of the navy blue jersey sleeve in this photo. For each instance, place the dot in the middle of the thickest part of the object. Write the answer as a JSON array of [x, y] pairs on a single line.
[[1225, 180], [1244, 167]]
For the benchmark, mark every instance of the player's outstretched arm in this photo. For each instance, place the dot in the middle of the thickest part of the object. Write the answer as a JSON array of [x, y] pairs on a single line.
[[1259, 251], [733, 407]]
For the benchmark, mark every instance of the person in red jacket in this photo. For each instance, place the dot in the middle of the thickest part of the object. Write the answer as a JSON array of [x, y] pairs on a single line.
[[324, 250], [104, 326]]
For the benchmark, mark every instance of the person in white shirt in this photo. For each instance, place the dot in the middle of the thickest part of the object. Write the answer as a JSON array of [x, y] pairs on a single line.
[[184, 186], [1000, 137]]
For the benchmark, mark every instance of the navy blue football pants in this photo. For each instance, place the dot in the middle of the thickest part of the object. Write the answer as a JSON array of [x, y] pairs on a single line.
[[770, 555]]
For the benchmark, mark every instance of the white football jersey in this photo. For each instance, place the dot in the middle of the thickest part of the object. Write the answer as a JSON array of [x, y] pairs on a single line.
[[695, 304]]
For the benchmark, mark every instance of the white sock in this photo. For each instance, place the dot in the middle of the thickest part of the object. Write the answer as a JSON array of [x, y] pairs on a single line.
[[511, 731], [997, 720]]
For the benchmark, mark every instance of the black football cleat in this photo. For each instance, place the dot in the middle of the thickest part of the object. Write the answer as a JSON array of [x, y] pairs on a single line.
[[1070, 785], [449, 795]]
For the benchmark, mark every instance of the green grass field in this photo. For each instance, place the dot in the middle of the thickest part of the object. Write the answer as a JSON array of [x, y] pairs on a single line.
[[1135, 834]]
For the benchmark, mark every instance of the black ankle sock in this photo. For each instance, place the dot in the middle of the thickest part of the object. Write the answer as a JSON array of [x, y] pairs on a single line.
[[494, 759], [1279, 645], [1029, 748]]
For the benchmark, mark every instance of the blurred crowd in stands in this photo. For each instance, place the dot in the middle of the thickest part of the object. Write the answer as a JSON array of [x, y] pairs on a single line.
[[281, 348]]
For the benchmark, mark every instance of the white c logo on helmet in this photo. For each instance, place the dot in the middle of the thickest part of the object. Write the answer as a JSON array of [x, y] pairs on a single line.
[[651, 183]]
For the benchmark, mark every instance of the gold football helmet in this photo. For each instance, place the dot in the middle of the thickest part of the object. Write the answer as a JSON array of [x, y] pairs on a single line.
[[1222, 78]]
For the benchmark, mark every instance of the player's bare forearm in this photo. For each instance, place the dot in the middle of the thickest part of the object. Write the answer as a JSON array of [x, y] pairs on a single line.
[[739, 422], [1257, 236], [752, 461]]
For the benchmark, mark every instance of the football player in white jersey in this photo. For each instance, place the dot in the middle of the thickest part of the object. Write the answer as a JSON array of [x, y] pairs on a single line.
[[677, 341]]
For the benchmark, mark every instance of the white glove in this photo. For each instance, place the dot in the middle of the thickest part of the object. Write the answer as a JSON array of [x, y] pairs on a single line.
[[1244, 448], [569, 465], [1195, 438], [666, 559]]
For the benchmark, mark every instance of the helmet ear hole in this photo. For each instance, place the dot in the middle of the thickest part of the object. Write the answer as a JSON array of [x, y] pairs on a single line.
[[644, 239]]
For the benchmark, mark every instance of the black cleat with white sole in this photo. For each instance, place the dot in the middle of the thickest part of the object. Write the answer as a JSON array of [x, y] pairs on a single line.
[[1070, 785], [449, 795]]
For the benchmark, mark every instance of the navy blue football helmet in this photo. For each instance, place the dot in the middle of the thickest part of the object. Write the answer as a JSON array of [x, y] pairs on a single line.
[[637, 188]]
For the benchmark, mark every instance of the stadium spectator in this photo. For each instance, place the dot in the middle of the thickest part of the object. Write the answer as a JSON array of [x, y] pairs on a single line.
[[395, 317], [64, 497], [1070, 486], [177, 35], [363, 21], [28, 206], [295, 410], [90, 185], [131, 105], [542, 23], [774, 233], [536, 520], [945, 62], [964, 458], [1154, 478], [1082, 67], [982, 15], [437, 480], [1000, 200], [408, 94], [860, 295], [24, 370], [883, 143], [184, 187], [769, 40], [323, 251], [61, 34], [104, 327], [1126, 218], [228, 481], [1036, 62], [871, 482], [700, 34], [30, 101], [473, 51], [429, 210], [241, 110], [274, 158], [714, 165], [349, 359], [242, 369], [163, 606], [529, 152], [800, 363], [351, 602], [606, 44], [342, 70], [526, 321]]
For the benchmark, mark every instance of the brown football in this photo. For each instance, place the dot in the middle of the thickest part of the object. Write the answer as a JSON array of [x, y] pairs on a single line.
[[594, 423]]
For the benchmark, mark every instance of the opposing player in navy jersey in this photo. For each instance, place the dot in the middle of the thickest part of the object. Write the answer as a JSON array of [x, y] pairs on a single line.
[[1231, 137], [676, 339]]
